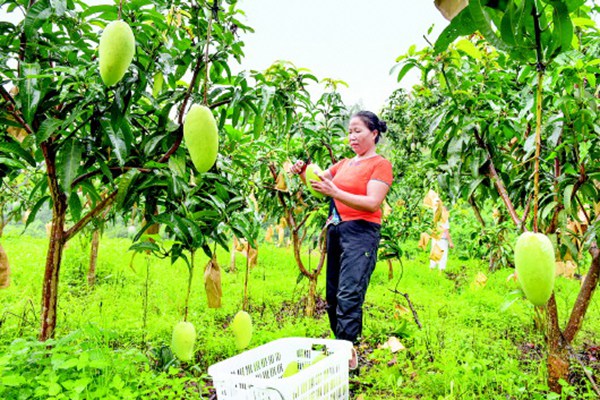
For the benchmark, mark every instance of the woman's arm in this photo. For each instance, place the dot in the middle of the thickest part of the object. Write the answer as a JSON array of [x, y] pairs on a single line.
[[299, 168], [371, 202]]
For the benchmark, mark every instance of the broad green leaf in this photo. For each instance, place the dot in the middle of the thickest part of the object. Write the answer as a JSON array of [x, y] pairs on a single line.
[[405, 70], [12, 380], [469, 48], [461, 25], [124, 184], [484, 24], [68, 162], [35, 209], [119, 146], [29, 91], [75, 206], [11, 162], [46, 130], [567, 198], [563, 27], [39, 12], [582, 22], [177, 164], [508, 25], [13, 147]]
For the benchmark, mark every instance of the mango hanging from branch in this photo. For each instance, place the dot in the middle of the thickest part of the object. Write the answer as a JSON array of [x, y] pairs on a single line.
[[182, 343], [115, 52], [201, 137], [535, 266], [242, 329]]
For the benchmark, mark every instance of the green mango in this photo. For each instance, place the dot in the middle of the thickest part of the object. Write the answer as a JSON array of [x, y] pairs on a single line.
[[291, 369], [115, 51], [535, 265], [201, 137], [182, 343], [242, 329], [312, 173]]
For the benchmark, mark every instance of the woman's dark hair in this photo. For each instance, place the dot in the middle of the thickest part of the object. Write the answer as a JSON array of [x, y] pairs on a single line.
[[372, 122]]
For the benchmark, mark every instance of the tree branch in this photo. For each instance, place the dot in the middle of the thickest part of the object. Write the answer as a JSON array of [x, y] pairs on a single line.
[[91, 215], [412, 309], [585, 295], [493, 174]]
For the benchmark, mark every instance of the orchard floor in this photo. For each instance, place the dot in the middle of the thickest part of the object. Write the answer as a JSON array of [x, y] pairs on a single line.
[[477, 337]]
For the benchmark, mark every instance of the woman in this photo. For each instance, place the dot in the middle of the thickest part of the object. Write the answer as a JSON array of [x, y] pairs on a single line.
[[357, 186]]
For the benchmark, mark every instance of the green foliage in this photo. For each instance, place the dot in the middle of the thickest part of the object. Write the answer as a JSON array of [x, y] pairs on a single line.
[[471, 343], [84, 365], [487, 118], [528, 30]]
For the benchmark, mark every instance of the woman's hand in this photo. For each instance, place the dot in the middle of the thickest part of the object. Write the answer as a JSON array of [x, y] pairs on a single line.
[[325, 186], [298, 167]]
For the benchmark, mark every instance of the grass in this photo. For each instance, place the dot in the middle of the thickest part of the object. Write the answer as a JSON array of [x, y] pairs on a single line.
[[474, 343]]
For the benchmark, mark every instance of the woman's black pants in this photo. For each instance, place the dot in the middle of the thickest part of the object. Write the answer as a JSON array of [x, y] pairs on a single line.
[[351, 257]]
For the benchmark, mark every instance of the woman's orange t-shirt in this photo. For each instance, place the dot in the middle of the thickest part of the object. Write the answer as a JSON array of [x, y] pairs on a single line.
[[353, 176]]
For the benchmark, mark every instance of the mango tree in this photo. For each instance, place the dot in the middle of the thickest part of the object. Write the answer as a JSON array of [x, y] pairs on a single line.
[[290, 126], [520, 121], [93, 141]]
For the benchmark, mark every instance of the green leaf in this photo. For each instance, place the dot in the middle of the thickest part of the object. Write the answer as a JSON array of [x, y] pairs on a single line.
[[405, 70], [29, 91], [68, 161], [11, 162], [508, 25], [473, 186], [15, 148], [567, 198], [75, 206], [484, 25], [46, 130], [12, 380], [39, 12], [563, 26], [124, 184], [469, 48], [461, 25], [177, 163], [106, 10], [118, 144], [35, 209]]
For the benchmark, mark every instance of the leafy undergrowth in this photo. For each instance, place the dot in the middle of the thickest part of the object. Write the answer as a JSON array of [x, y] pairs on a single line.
[[462, 339]]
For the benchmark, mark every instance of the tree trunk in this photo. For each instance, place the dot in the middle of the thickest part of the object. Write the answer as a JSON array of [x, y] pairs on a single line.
[[390, 269], [51, 275], [558, 357], [312, 296], [91, 276]]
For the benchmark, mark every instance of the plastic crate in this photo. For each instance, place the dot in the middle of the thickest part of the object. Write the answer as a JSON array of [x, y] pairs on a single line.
[[257, 374]]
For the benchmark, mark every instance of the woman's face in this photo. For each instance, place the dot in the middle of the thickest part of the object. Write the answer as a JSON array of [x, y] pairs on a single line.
[[361, 139]]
